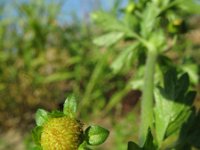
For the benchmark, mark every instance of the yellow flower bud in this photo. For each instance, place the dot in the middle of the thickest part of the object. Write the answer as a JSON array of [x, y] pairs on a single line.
[[62, 133]]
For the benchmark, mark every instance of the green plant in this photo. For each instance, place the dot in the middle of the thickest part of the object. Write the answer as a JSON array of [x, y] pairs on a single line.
[[58, 130], [146, 38], [146, 27]]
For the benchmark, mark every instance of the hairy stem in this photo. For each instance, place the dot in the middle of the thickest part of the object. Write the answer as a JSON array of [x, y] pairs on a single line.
[[147, 97]]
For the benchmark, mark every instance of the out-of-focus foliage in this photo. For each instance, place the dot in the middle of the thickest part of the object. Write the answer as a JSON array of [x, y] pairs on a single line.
[[128, 31], [155, 27], [42, 59]]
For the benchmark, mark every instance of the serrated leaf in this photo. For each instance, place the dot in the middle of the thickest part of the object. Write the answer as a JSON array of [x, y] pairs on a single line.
[[173, 104], [177, 123], [148, 145], [41, 117], [166, 113], [108, 39], [161, 119], [192, 70], [70, 106], [96, 135], [133, 146], [36, 134]]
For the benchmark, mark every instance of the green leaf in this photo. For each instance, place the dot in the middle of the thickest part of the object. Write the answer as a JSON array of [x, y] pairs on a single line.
[[96, 135], [109, 22], [170, 79], [161, 119], [70, 106], [168, 114], [41, 117], [182, 85], [192, 70], [133, 146], [191, 6], [108, 39], [190, 96], [36, 134], [124, 59], [177, 123], [190, 131], [149, 19], [158, 39], [173, 104], [138, 80], [149, 143]]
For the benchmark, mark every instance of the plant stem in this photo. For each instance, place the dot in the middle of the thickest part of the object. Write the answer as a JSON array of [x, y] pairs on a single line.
[[147, 97]]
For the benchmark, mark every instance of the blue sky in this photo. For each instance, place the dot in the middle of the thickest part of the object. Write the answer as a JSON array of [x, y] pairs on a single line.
[[84, 7], [81, 8]]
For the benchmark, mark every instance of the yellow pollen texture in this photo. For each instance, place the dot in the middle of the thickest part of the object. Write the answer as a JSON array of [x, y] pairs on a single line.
[[61, 134]]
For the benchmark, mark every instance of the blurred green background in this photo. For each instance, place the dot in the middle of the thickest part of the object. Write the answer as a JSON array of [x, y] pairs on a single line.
[[47, 52]]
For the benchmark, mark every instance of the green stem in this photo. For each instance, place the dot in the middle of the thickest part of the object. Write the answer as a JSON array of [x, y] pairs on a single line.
[[147, 97]]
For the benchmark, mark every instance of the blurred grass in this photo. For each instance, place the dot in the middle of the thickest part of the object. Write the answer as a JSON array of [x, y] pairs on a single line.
[[43, 60]]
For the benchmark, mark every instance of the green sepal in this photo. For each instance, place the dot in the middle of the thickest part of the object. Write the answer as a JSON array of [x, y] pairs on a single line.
[[37, 148], [41, 117], [56, 114], [83, 146], [96, 135], [36, 134], [70, 106]]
